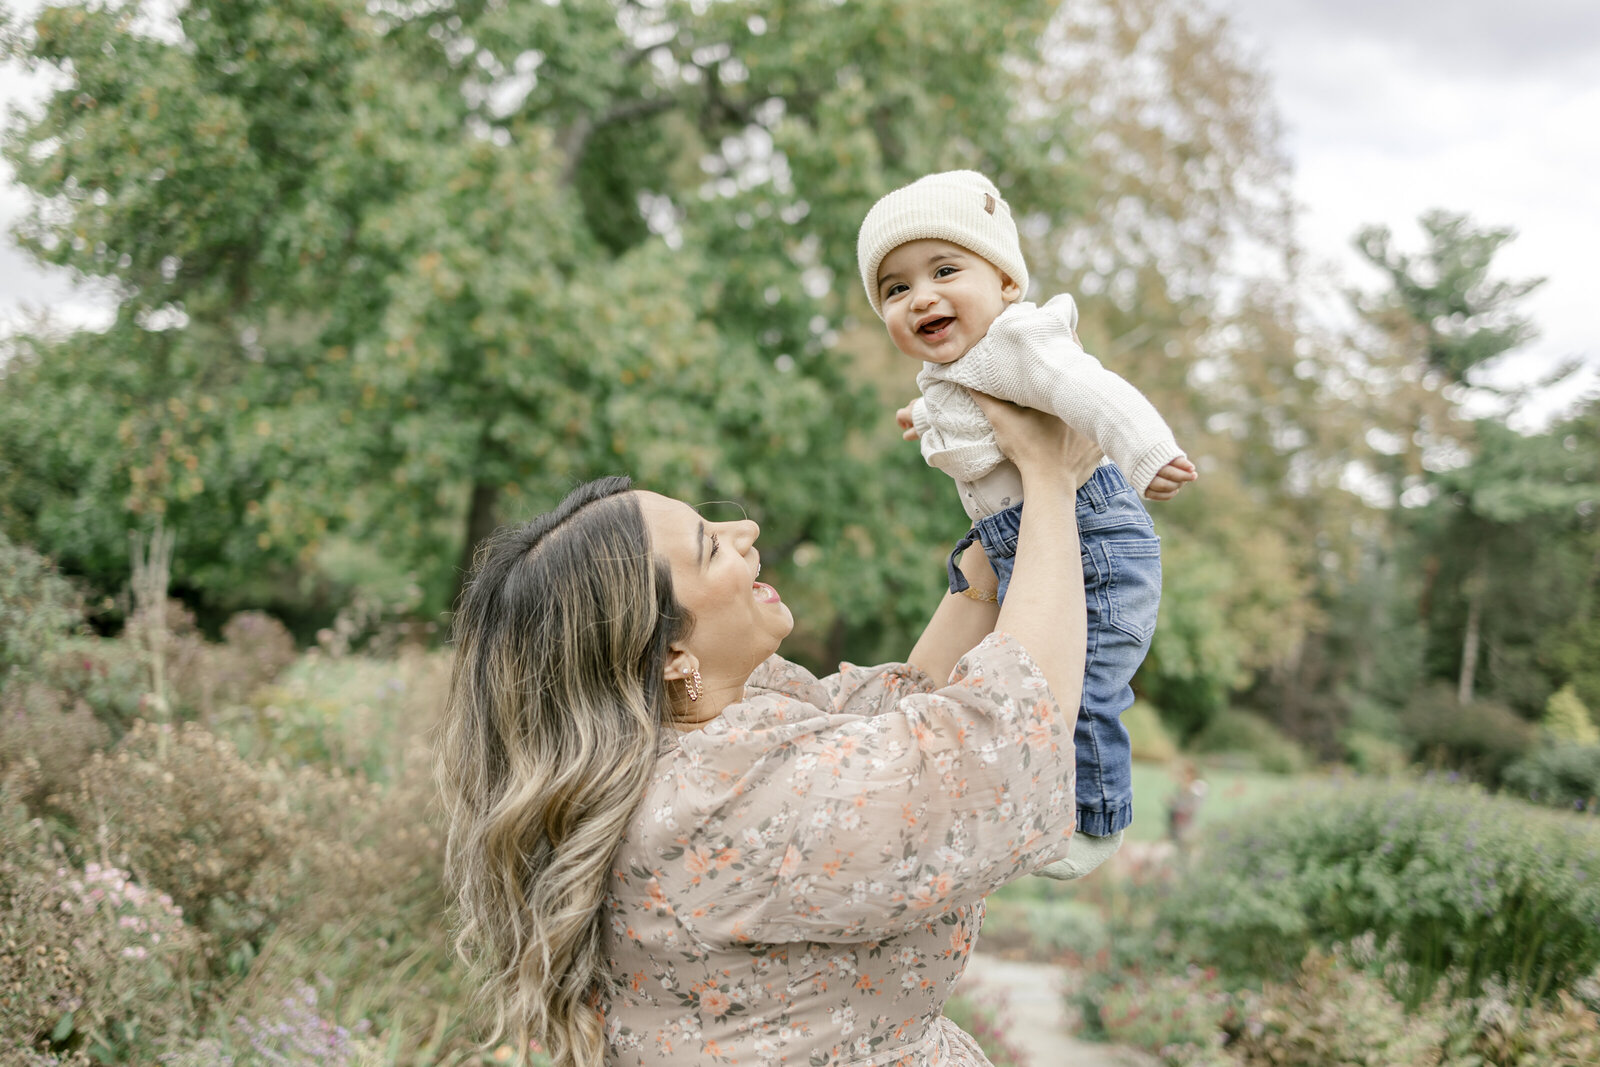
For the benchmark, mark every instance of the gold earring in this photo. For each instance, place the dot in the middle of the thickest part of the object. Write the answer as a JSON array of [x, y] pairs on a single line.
[[692, 683]]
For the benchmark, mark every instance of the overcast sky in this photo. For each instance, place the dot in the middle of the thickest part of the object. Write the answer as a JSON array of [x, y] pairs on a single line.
[[1391, 107]]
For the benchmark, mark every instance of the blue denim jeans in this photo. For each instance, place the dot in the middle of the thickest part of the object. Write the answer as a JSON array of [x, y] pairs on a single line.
[[1122, 585]]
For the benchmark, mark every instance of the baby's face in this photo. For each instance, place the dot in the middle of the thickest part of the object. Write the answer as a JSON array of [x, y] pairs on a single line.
[[939, 299]]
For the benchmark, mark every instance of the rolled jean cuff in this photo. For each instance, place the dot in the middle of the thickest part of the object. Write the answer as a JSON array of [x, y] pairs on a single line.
[[1105, 823], [958, 581]]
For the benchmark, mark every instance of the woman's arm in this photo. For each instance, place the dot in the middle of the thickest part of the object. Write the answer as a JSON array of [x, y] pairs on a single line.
[[1044, 607], [960, 621]]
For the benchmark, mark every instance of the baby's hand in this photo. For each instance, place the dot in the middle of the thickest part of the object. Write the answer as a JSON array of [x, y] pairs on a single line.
[[908, 426], [1171, 478]]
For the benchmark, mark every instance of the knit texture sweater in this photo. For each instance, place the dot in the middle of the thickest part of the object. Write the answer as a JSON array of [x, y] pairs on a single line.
[[1031, 356]]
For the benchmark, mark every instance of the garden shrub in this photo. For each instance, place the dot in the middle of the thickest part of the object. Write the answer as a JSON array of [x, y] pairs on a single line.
[[89, 959], [38, 607], [182, 810], [1557, 775], [107, 676], [1470, 887], [353, 714], [1370, 753], [295, 1035], [1332, 1012], [985, 1020], [1027, 917], [1502, 1030], [1566, 719], [255, 648], [1178, 1013], [1479, 739], [1258, 744], [44, 739], [1150, 740]]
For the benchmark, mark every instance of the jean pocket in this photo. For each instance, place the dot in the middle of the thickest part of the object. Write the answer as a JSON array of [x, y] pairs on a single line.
[[1133, 585]]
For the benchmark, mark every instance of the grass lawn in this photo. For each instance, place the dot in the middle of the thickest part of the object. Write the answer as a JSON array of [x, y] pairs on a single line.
[[1230, 790]]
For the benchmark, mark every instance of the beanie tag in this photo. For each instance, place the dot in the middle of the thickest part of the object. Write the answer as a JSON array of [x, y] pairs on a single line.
[[988, 203]]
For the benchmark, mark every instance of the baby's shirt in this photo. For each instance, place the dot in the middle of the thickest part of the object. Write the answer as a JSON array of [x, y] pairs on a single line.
[[1031, 356]]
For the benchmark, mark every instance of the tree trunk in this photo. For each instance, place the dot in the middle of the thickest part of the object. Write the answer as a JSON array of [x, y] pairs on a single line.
[[480, 524], [1476, 584]]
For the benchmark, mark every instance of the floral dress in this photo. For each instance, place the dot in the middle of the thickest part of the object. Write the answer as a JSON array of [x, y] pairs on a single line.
[[805, 876]]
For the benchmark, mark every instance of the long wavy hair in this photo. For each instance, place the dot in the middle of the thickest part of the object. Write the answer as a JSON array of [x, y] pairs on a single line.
[[556, 706]]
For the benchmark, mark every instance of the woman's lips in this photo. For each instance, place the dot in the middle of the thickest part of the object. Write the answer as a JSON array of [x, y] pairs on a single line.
[[764, 593]]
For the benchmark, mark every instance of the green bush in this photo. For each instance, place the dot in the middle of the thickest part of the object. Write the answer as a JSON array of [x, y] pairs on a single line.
[[1255, 743], [1371, 753], [1479, 739], [1566, 718], [37, 607], [183, 811], [1557, 775], [987, 1024], [1177, 1013], [1035, 917], [1150, 740], [89, 959], [1501, 1030], [1470, 887], [1332, 1012], [44, 739]]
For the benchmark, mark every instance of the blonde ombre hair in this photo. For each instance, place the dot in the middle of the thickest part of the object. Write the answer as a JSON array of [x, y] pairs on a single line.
[[556, 705]]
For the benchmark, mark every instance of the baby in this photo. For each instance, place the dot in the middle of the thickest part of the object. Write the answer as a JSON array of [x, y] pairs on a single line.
[[943, 268]]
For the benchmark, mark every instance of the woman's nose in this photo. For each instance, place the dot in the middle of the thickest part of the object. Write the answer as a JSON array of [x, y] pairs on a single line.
[[745, 532]]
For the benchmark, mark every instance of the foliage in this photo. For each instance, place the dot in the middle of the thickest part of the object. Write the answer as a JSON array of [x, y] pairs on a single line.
[[89, 959], [1243, 736], [45, 737], [1178, 1012], [1331, 1012], [1567, 720], [364, 257], [1150, 741], [344, 714], [1501, 1030], [181, 809], [1558, 775], [1039, 917], [1480, 739], [1472, 888], [986, 1022], [37, 607], [1461, 318]]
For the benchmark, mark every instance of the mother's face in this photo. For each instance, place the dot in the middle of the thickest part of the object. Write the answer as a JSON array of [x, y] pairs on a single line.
[[738, 621]]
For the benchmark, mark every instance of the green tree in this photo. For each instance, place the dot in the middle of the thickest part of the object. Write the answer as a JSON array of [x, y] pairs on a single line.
[[408, 273]]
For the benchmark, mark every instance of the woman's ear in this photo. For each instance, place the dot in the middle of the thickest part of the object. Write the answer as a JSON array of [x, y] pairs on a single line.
[[680, 665]]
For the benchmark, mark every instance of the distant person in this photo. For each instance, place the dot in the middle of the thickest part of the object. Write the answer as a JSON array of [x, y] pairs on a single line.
[[943, 268], [1183, 806], [668, 845]]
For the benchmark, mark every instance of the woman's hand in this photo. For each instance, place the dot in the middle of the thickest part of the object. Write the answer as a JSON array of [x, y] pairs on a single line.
[[1039, 443]]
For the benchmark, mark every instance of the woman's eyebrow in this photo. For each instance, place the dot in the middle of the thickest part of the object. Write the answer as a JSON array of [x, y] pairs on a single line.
[[699, 542]]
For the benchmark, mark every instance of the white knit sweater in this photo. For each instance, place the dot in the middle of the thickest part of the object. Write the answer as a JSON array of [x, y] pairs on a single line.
[[1031, 356]]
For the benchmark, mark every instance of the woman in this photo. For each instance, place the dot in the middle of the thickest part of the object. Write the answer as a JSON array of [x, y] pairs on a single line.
[[668, 845]]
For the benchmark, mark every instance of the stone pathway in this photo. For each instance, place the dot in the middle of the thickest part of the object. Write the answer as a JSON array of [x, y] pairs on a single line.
[[1033, 1003]]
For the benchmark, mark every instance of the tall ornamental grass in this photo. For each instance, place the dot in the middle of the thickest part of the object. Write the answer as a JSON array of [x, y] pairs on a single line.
[[1468, 888]]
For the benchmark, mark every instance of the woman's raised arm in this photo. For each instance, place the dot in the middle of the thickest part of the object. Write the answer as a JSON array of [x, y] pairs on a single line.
[[960, 621], [1044, 606]]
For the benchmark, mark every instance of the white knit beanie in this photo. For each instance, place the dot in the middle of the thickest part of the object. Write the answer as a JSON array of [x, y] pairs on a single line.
[[961, 206]]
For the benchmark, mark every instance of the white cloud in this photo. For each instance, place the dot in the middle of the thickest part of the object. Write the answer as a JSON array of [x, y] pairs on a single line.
[[1392, 109]]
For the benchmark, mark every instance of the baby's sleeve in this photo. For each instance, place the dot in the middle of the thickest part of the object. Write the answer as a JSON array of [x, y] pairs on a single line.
[[1032, 357]]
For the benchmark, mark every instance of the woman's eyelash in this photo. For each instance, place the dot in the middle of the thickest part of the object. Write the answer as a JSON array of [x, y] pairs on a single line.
[[715, 544]]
